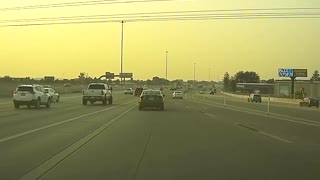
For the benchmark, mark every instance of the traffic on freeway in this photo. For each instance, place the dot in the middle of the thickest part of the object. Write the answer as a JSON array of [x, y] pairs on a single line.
[[200, 136], [159, 90]]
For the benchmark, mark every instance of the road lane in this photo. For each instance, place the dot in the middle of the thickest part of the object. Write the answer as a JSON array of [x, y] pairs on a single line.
[[16, 121], [185, 143], [20, 155]]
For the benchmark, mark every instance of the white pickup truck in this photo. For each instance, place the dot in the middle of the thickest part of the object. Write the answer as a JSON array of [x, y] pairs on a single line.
[[97, 92]]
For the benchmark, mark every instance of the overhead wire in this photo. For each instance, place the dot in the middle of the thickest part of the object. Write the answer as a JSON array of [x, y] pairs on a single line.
[[271, 13], [79, 3]]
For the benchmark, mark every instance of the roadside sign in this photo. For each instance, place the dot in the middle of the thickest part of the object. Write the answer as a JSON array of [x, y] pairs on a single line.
[[285, 72], [109, 75], [300, 73], [126, 75]]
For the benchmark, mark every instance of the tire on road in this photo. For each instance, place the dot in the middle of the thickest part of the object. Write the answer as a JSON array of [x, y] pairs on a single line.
[[84, 102], [110, 101], [37, 104], [48, 105], [16, 105]]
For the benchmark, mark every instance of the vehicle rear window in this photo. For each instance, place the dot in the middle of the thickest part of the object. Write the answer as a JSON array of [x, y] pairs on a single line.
[[157, 93], [257, 96], [46, 90], [128, 89], [96, 86], [23, 88], [178, 92]]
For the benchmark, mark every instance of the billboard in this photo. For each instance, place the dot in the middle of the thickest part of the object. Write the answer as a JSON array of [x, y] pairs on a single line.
[[285, 72], [126, 75], [300, 73]]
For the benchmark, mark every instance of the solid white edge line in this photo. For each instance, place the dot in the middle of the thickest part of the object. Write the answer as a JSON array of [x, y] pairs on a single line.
[[58, 123], [264, 115], [45, 167], [274, 137]]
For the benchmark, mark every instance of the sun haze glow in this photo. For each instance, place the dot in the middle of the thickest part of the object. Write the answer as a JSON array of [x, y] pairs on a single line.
[[225, 45]]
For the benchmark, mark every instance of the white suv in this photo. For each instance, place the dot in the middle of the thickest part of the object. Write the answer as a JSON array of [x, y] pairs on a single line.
[[177, 94], [31, 95]]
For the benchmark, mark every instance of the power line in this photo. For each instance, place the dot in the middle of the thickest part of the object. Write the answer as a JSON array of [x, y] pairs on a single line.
[[164, 19], [80, 3], [273, 13], [135, 15]]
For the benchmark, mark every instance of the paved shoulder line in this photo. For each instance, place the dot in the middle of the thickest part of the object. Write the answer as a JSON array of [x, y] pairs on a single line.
[[300, 121], [46, 166], [59, 123]]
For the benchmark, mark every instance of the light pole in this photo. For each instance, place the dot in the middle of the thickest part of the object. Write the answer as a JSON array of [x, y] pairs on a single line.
[[209, 74], [121, 69], [167, 65], [194, 72]]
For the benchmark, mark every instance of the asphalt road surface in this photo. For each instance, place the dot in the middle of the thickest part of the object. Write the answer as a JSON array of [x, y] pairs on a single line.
[[200, 137]]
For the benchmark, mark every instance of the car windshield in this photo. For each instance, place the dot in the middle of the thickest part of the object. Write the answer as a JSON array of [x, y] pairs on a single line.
[[157, 93], [25, 88], [46, 90], [96, 86]]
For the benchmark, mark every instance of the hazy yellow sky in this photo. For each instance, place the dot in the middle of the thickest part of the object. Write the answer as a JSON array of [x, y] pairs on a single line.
[[261, 45]]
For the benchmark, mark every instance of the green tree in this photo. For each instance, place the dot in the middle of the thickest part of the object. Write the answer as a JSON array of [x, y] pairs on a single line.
[[246, 77], [315, 76], [226, 81]]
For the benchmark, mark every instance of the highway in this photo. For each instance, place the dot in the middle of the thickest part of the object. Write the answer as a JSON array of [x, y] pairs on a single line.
[[199, 137]]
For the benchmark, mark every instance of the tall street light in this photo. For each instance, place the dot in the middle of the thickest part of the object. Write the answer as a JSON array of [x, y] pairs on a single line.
[[194, 72], [121, 69], [166, 65]]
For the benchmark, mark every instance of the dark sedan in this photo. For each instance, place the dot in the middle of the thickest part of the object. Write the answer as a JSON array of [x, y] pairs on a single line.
[[151, 99], [310, 101]]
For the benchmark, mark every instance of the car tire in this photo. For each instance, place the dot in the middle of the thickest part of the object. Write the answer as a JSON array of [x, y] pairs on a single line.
[[300, 104], [37, 104], [16, 105], [140, 108], [48, 105], [110, 101], [104, 101], [84, 102], [58, 99]]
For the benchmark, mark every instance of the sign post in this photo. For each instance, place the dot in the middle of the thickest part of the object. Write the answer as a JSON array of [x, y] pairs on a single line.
[[292, 73]]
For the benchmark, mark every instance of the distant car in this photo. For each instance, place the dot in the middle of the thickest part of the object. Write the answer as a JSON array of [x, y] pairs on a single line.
[[31, 95], [53, 94], [128, 91], [254, 98], [310, 101], [151, 99], [177, 94], [138, 91], [67, 85], [173, 88]]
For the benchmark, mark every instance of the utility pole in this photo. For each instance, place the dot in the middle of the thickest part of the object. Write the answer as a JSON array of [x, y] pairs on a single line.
[[209, 74], [121, 70], [167, 65], [194, 72]]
